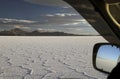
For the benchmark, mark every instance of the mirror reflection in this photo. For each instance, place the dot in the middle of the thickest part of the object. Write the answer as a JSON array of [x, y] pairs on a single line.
[[107, 57]]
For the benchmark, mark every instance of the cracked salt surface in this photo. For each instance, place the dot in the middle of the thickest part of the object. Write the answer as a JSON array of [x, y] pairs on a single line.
[[48, 57]]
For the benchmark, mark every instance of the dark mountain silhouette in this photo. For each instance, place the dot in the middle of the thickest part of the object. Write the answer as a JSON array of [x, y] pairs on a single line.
[[6, 33], [13, 32], [20, 32], [38, 33]]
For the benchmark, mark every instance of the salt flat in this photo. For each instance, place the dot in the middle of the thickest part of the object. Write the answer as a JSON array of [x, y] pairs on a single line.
[[24, 57]]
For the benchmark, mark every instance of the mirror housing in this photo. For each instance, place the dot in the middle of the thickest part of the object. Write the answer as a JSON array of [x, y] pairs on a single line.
[[106, 56]]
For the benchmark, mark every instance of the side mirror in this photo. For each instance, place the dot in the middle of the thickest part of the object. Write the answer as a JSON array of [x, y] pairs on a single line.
[[106, 56]]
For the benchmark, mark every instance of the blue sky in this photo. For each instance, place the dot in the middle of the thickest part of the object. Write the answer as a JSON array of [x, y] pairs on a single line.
[[49, 15], [109, 52]]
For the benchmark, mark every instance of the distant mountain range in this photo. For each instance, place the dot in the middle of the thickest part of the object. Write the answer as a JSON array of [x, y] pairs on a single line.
[[20, 32]]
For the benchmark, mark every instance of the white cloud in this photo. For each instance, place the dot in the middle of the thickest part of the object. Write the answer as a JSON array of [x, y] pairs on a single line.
[[69, 24], [21, 27], [87, 31], [7, 20], [62, 15], [66, 7], [75, 29], [26, 21], [50, 15], [46, 30], [66, 14], [81, 20], [49, 2], [77, 22]]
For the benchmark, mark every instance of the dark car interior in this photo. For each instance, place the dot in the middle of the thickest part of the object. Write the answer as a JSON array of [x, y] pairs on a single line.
[[85, 8]]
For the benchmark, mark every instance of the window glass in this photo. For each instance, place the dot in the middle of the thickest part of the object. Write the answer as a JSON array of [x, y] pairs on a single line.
[[41, 17]]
